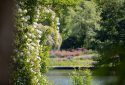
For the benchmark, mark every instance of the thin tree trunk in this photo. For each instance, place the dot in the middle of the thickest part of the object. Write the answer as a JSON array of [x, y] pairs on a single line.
[[6, 38]]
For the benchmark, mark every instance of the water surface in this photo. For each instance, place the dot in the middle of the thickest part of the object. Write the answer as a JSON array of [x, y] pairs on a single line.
[[62, 77]]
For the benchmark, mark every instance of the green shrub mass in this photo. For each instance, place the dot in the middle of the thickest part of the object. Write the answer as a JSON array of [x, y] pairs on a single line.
[[81, 77], [33, 41]]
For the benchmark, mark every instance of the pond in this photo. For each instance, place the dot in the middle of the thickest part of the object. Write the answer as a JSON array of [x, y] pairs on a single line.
[[61, 77]]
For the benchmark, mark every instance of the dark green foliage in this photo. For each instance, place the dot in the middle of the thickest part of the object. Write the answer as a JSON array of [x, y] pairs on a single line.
[[111, 40], [72, 42], [111, 63], [112, 21]]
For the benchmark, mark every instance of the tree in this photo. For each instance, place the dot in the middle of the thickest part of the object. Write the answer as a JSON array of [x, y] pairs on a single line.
[[82, 22], [111, 40]]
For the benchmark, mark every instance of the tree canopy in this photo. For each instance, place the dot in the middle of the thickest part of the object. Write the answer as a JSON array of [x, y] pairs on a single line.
[[81, 22], [111, 40]]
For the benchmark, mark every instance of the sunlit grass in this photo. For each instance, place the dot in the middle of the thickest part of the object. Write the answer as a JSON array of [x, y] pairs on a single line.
[[70, 62]]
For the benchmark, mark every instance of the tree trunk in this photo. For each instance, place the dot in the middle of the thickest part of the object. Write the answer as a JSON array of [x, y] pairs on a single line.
[[6, 38]]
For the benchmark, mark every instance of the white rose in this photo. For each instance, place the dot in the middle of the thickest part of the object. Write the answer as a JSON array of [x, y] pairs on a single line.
[[20, 10], [58, 23], [21, 53], [39, 36], [33, 44], [27, 17], [23, 18], [35, 24], [25, 11], [29, 34], [28, 60], [38, 58], [28, 52], [33, 36], [38, 31]]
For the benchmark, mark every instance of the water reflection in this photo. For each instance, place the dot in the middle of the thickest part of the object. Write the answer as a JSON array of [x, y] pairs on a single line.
[[61, 77]]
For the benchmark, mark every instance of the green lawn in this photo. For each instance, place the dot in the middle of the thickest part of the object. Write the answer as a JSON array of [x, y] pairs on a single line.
[[70, 62]]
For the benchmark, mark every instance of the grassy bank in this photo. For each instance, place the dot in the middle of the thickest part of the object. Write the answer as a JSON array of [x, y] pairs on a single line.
[[70, 62]]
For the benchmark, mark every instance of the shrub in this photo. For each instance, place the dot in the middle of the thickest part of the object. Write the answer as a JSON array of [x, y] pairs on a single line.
[[81, 77], [32, 47]]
